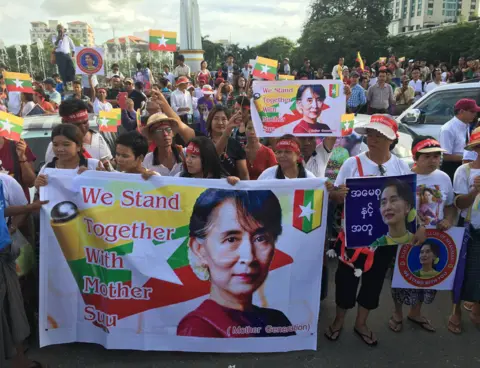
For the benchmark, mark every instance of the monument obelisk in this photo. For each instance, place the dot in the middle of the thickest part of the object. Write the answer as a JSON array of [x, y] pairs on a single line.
[[190, 35]]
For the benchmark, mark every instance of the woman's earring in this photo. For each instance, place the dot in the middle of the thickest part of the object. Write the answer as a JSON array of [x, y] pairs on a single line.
[[203, 273], [412, 215]]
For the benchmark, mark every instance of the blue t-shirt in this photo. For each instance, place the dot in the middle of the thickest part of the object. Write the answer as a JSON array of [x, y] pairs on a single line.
[[5, 239], [59, 88]]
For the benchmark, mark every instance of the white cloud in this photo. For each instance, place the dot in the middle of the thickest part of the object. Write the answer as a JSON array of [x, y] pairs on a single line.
[[244, 22]]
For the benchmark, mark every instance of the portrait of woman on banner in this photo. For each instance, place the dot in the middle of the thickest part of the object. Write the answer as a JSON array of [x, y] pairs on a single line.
[[429, 257], [232, 243], [311, 102], [397, 207]]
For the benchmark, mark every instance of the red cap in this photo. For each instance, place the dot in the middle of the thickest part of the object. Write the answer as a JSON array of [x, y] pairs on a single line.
[[467, 104], [183, 80]]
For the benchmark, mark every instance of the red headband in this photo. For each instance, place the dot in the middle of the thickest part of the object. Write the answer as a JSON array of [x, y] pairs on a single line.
[[77, 117], [385, 120], [287, 145], [425, 143], [193, 149], [102, 89]]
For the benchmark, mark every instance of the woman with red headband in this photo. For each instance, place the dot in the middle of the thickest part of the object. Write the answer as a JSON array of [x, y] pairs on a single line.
[[287, 152], [435, 210], [382, 136]]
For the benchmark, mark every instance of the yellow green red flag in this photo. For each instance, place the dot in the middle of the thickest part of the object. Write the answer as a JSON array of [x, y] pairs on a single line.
[[162, 41], [347, 123], [109, 120], [265, 68], [360, 60], [11, 126], [18, 82], [285, 77]]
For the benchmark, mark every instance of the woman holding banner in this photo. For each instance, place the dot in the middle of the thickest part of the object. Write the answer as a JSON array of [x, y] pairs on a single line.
[[466, 185], [232, 243], [382, 136], [427, 155]]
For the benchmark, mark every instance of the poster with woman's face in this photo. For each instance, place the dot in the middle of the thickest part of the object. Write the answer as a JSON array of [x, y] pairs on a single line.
[[431, 265], [89, 60], [380, 211]]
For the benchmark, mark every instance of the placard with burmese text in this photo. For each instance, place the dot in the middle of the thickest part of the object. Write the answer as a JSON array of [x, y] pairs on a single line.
[[147, 264]]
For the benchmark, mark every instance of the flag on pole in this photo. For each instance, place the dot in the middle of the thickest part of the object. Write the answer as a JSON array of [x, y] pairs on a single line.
[[18, 82], [360, 61], [139, 121], [285, 77], [11, 126], [382, 60], [402, 59], [109, 120], [347, 123], [265, 68], [162, 41]]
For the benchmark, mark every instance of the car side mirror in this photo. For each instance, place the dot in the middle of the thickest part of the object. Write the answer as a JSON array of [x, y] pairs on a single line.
[[412, 117]]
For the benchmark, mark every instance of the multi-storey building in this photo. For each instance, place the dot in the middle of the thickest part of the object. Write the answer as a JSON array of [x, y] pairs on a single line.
[[81, 31]]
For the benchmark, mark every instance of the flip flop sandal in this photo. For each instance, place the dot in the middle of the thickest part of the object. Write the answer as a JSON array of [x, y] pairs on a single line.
[[333, 332], [364, 337], [397, 325], [468, 306], [425, 324], [455, 328]]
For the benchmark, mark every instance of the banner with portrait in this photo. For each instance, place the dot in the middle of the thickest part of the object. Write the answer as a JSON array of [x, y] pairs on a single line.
[[301, 108], [380, 211], [433, 264], [181, 264], [89, 60]]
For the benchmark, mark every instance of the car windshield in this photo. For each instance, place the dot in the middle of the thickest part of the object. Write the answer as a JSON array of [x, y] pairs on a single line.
[[438, 108]]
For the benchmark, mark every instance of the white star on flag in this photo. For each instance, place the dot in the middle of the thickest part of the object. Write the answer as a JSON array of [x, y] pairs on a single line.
[[104, 121], [18, 83], [163, 41], [265, 69], [307, 211], [6, 126], [148, 260], [285, 108]]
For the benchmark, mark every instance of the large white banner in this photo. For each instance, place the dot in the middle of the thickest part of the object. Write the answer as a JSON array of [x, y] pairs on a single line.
[[181, 264]]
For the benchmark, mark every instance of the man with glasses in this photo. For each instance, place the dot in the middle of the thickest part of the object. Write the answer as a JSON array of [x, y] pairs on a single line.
[[437, 80]]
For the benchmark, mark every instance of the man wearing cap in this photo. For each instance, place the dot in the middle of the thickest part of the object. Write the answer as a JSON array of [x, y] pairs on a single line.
[[181, 100], [454, 134], [358, 97], [74, 111], [50, 90]]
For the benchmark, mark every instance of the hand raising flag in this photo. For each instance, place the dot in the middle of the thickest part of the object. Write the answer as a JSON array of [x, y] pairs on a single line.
[[265, 68], [18, 82], [11, 126], [108, 121]]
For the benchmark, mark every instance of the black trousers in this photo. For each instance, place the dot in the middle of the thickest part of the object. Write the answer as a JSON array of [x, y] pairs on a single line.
[[65, 67], [346, 283]]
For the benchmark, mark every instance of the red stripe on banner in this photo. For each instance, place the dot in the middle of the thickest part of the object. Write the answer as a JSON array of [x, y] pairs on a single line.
[[13, 88], [297, 202]]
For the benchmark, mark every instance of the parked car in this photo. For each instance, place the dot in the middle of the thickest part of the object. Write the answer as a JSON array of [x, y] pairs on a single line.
[[37, 131]]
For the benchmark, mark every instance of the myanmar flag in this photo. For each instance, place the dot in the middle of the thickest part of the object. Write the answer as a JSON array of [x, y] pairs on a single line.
[[139, 120], [285, 77], [347, 124], [108, 121], [265, 68], [334, 90], [360, 61], [163, 41], [11, 126], [307, 210], [18, 82]]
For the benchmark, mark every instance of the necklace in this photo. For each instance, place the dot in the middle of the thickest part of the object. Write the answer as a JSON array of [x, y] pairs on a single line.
[[404, 239]]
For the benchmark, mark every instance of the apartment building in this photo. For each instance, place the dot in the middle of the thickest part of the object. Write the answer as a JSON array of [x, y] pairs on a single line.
[[416, 16], [79, 30], [82, 32]]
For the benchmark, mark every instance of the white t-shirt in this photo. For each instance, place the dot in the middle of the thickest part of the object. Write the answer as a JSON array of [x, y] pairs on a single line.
[[92, 164], [14, 102], [28, 107], [101, 106], [162, 170], [432, 85], [86, 83], [12, 191], [271, 173], [463, 185], [453, 136], [418, 86], [97, 149], [317, 163], [349, 169], [434, 192]]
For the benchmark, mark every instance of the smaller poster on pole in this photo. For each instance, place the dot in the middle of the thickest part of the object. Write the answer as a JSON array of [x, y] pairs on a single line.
[[431, 265], [89, 60]]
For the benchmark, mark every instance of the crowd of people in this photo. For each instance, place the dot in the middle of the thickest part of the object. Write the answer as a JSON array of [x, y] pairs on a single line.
[[200, 126]]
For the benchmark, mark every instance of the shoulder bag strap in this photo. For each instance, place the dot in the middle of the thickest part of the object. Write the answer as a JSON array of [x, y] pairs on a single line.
[[359, 166]]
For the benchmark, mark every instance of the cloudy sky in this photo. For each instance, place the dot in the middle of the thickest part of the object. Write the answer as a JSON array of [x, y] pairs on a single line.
[[244, 22]]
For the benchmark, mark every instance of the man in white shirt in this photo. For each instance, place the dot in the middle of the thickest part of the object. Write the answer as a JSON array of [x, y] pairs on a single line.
[[316, 156], [168, 75], [182, 70], [246, 70], [101, 103], [286, 66], [437, 81], [454, 134], [181, 100], [417, 84], [64, 51], [337, 70]]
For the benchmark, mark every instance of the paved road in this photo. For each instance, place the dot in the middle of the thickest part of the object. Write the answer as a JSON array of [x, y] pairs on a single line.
[[413, 347]]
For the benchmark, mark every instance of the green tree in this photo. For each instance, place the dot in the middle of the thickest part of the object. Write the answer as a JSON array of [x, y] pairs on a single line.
[[214, 52], [276, 48]]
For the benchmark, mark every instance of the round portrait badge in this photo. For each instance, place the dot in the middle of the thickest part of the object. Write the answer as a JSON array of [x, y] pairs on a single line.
[[89, 61], [430, 264]]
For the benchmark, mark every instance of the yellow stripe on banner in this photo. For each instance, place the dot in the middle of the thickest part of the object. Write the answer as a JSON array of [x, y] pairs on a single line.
[[16, 120], [285, 77], [265, 61], [166, 34], [318, 207], [112, 114], [13, 75]]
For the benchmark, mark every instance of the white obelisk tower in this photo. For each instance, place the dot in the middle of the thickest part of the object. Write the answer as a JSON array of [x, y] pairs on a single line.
[[190, 35]]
